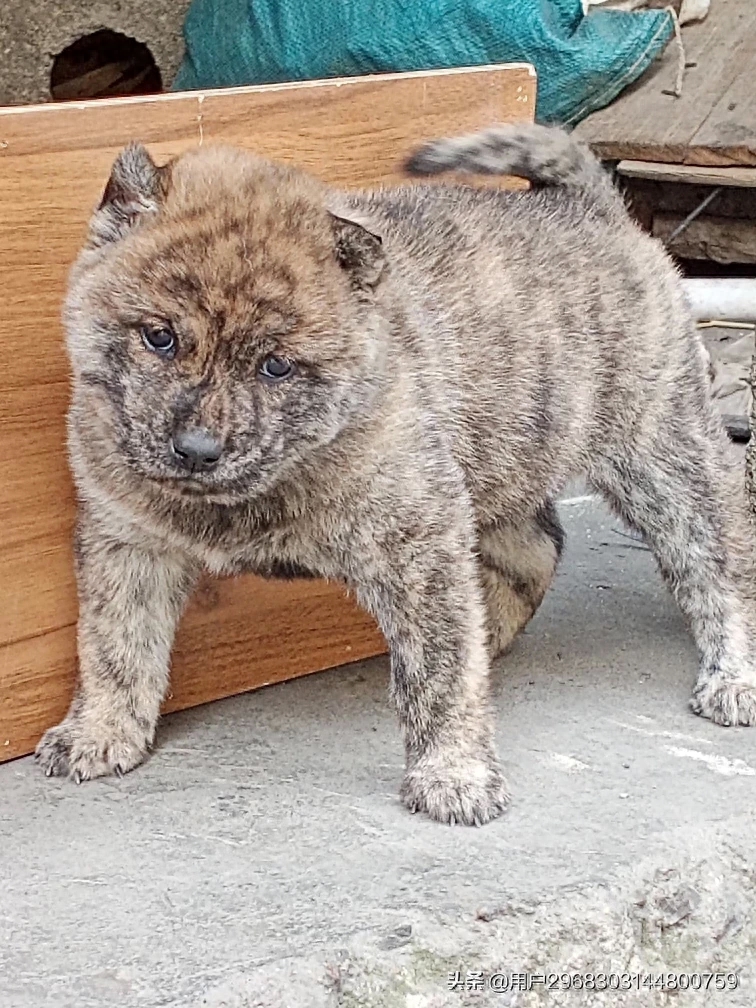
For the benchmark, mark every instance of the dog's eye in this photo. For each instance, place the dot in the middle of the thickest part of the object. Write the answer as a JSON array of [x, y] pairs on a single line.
[[276, 369], [160, 339]]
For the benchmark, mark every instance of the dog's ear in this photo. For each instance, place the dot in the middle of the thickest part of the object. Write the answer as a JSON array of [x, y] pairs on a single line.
[[134, 191], [358, 251]]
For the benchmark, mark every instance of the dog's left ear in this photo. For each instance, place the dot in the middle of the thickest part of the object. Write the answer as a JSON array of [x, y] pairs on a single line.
[[358, 251], [134, 192]]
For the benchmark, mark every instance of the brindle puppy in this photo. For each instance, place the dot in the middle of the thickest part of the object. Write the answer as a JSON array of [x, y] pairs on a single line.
[[388, 389]]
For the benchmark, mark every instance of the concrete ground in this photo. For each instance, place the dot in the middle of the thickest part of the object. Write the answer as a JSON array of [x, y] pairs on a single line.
[[261, 858]]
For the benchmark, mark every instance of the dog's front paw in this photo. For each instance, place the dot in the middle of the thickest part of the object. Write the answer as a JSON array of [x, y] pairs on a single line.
[[75, 749], [726, 702], [455, 789]]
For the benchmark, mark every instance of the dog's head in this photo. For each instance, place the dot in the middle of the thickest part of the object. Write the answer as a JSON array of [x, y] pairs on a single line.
[[221, 323]]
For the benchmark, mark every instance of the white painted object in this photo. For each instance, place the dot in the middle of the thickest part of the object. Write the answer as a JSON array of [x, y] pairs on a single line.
[[729, 299]]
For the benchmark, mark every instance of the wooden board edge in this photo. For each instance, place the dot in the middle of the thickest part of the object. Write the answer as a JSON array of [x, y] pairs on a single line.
[[677, 154], [741, 177], [251, 89]]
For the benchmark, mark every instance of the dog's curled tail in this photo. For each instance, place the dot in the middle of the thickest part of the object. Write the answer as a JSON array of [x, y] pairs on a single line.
[[545, 155]]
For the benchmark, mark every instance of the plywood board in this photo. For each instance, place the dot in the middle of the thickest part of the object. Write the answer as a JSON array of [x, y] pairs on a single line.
[[54, 161], [238, 634], [714, 120]]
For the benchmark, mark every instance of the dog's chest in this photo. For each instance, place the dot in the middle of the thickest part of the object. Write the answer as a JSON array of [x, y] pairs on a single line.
[[270, 539]]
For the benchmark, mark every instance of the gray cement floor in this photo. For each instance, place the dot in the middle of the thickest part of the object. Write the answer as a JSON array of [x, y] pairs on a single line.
[[260, 856]]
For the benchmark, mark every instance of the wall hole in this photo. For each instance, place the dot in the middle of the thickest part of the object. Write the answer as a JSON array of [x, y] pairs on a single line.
[[104, 64]]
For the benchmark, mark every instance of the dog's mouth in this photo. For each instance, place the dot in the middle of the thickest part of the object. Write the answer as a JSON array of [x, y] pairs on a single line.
[[190, 489], [183, 486], [236, 483]]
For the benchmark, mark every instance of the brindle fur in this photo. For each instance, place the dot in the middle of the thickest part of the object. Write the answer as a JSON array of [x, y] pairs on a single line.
[[461, 354]]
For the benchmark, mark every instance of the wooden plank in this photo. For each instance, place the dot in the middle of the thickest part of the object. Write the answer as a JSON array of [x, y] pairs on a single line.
[[688, 174], [728, 133], [37, 591], [719, 239], [351, 131], [54, 161], [295, 630], [712, 123], [35, 495], [36, 681]]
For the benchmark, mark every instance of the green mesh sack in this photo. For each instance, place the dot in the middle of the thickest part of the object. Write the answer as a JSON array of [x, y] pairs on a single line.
[[583, 62]]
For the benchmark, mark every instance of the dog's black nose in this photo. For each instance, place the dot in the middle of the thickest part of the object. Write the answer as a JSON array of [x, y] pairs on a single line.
[[196, 449]]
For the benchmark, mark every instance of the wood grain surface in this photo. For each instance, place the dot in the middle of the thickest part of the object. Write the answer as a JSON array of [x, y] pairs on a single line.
[[743, 178], [54, 162], [714, 120]]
